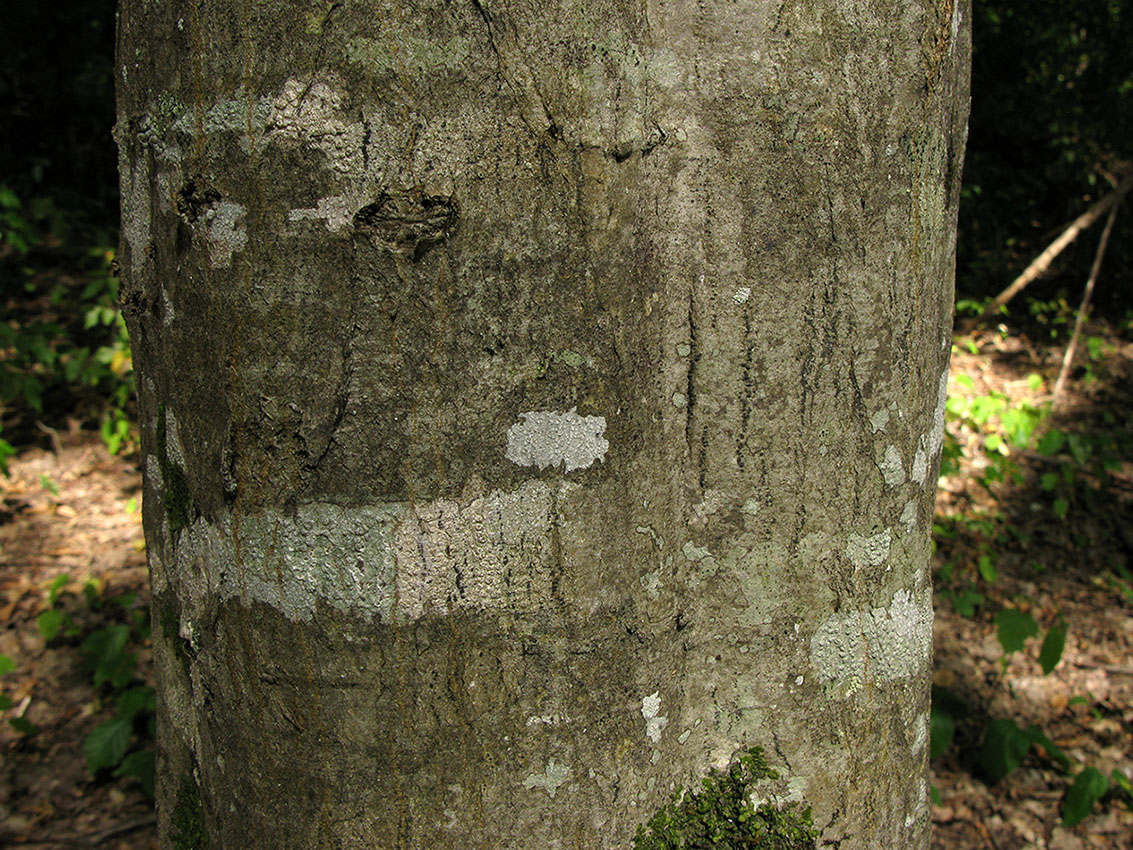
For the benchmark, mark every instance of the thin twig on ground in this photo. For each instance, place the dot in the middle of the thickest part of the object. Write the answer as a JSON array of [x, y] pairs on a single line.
[[1042, 262], [1068, 359]]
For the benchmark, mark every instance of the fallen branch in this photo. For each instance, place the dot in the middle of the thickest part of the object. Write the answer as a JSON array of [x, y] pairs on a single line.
[[1068, 359], [1042, 262]]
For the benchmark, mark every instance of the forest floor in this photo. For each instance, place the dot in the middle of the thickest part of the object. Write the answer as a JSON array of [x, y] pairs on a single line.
[[70, 509]]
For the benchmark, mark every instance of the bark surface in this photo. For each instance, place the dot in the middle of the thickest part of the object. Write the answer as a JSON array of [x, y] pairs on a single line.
[[542, 405]]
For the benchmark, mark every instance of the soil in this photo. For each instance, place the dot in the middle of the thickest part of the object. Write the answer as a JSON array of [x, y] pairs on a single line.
[[69, 508]]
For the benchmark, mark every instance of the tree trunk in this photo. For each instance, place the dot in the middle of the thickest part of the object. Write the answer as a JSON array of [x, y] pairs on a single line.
[[541, 407]]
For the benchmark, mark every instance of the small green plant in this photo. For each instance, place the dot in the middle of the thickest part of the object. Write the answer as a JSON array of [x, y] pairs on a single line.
[[58, 336], [120, 744], [18, 722], [1002, 427], [16, 232], [1006, 744], [6, 451], [722, 815]]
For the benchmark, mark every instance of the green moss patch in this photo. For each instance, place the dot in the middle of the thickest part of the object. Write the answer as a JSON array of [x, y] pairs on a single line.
[[178, 502], [187, 831], [720, 816]]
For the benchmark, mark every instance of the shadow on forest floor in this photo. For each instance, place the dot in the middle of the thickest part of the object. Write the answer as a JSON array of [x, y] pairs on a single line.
[[1052, 540]]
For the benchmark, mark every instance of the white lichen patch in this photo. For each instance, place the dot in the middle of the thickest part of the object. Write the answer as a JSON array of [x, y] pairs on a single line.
[[174, 448], [648, 531], [407, 55], [919, 471], [389, 562], [741, 295], [224, 234], [936, 440], [883, 643], [892, 469], [868, 551], [909, 516], [168, 312], [238, 114], [134, 184], [552, 777], [920, 732], [651, 711], [879, 420], [711, 502], [153, 473], [309, 114], [546, 720], [694, 552], [336, 211], [546, 438], [652, 584]]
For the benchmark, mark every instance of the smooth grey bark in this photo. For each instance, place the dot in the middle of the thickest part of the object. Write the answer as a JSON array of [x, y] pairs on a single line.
[[541, 404]]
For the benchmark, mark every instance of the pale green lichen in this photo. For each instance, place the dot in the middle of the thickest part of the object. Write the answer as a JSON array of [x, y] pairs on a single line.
[[401, 52], [722, 816]]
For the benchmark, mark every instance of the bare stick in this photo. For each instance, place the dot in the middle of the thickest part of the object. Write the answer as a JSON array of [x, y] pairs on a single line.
[[1042, 262], [1083, 309]]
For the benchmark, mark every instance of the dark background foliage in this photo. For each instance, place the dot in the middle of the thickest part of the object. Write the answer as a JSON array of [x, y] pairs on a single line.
[[1052, 118], [57, 104]]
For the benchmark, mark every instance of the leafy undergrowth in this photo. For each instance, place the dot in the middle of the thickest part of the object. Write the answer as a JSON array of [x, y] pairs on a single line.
[[1033, 696], [76, 737]]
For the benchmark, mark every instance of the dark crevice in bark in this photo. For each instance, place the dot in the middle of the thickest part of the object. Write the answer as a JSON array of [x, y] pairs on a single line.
[[690, 375]]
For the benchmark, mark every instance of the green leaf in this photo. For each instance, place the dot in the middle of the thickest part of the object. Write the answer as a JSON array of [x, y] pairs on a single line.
[[5, 702], [50, 622], [1053, 644], [1034, 382], [1013, 628], [1061, 507], [141, 766], [1122, 782], [1051, 443], [56, 585], [23, 726], [1049, 481], [135, 700], [7, 665], [942, 727], [965, 381], [1052, 750], [1080, 449], [988, 572], [1005, 745], [1089, 786], [966, 603], [107, 655], [107, 744]]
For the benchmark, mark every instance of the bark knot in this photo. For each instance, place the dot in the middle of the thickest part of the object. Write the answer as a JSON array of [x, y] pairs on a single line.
[[409, 222]]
